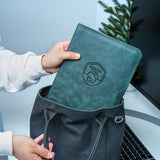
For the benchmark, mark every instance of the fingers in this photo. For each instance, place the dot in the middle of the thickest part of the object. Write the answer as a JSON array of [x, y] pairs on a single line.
[[50, 146], [36, 157], [63, 45], [39, 139], [41, 151], [70, 55], [53, 156], [44, 153], [66, 45]]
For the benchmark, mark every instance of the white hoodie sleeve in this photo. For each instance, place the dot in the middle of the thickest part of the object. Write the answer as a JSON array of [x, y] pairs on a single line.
[[19, 71], [6, 143], [16, 73]]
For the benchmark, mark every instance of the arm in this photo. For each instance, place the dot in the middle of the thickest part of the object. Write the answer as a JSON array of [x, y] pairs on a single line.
[[20, 71]]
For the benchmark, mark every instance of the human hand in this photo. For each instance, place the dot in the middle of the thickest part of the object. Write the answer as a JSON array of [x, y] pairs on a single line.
[[40, 138], [53, 59], [25, 148]]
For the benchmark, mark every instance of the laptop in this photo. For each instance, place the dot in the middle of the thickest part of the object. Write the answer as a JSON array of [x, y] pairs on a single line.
[[142, 103]]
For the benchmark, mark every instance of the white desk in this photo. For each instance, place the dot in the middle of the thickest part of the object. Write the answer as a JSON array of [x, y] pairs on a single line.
[[147, 132]]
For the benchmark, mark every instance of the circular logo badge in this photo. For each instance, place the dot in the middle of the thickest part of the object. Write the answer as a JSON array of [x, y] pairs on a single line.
[[93, 73]]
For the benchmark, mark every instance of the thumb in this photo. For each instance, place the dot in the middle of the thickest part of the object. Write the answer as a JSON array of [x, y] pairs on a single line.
[[44, 153], [70, 55]]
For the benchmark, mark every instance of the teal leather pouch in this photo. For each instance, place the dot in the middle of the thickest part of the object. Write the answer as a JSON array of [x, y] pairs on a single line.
[[102, 75]]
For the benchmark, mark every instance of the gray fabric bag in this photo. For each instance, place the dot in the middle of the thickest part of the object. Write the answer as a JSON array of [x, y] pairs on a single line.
[[78, 134]]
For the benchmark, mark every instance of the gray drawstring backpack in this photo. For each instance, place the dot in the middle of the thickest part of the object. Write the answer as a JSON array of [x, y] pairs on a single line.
[[77, 134]]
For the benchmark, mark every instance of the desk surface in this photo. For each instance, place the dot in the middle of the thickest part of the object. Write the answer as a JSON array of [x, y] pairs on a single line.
[[147, 132]]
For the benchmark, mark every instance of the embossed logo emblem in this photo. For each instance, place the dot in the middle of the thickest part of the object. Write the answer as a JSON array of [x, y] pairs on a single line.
[[93, 73]]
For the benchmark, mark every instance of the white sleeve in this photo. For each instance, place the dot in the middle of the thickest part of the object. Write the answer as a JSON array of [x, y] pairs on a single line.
[[16, 73], [19, 71], [5, 143]]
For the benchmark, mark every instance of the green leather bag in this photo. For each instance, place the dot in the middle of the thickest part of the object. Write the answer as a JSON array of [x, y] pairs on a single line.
[[100, 78]]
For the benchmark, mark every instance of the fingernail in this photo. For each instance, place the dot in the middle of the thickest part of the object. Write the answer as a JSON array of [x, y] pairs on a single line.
[[49, 155], [77, 55]]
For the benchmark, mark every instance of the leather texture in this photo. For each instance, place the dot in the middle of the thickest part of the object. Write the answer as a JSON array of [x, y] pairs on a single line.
[[76, 134], [102, 75]]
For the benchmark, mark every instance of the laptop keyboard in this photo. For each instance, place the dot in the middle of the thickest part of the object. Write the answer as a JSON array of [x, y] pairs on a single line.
[[132, 148]]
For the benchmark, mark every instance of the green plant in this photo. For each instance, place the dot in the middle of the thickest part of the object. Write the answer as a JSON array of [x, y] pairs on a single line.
[[119, 20]]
